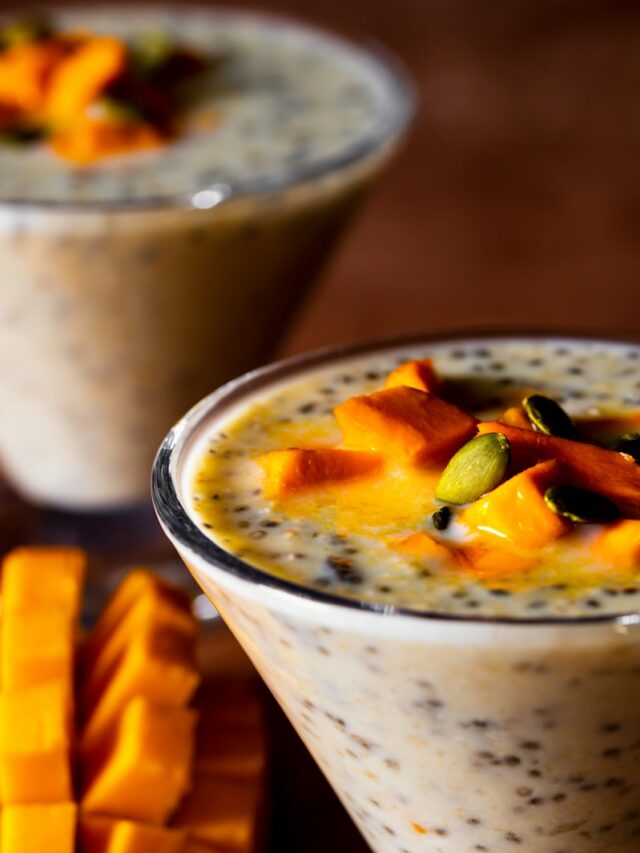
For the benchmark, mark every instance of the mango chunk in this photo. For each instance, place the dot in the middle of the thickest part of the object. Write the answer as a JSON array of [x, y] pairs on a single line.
[[24, 75], [43, 577], [147, 769], [137, 584], [294, 470], [35, 734], [422, 545], [38, 828], [223, 812], [37, 646], [108, 835], [418, 373], [515, 416], [230, 752], [153, 610], [489, 563], [404, 423], [607, 472], [619, 544], [159, 664], [515, 516]]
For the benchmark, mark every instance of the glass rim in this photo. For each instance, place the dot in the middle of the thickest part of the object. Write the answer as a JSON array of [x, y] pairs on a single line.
[[395, 122], [177, 521]]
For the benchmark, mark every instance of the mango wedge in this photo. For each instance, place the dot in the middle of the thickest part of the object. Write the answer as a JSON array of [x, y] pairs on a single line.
[[147, 769], [36, 737], [418, 374], [43, 577], [108, 835], [404, 424], [39, 828], [619, 544], [37, 646], [288, 472]]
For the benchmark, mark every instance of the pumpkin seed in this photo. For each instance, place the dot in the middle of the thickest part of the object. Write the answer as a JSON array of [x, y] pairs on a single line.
[[547, 416], [479, 466], [628, 443], [441, 518], [581, 505]]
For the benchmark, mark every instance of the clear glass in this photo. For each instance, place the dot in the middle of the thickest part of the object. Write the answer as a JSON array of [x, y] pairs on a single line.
[[117, 316], [440, 734]]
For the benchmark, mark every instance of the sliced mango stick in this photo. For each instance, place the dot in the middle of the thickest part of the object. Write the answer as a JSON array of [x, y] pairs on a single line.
[[159, 663], [39, 828], [147, 768], [36, 734], [515, 516], [109, 835], [223, 812], [418, 374], [37, 646], [291, 471], [607, 472], [43, 577], [405, 424]]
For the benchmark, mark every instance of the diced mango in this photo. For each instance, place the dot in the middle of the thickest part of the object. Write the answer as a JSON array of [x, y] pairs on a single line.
[[153, 610], [489, 563], [37, 646], [237, 752], [607, 472], [159, 664], [25, 71], [223, 812], [515, 416], [35, 737], [148, 766], [515, 516], [422, 545], [43, 577], [38, 828], [418, 374], [109, 835], [87, 139], [619, 544], [404, 423], [291, 471]]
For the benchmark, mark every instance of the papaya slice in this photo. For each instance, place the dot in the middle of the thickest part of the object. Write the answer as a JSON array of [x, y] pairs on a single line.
[[619, 544], [36, 733], [39, 828], [147, 768], [607, 472], [404, 423], [291, 471], [43, 577], [418, 373], [222, 812], [515, 416], [37, 646], [159, 664], [514, 516], [108, 835]]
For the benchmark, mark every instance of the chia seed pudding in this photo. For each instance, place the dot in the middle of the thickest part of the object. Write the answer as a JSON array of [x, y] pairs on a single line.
[[134, 285], [450, 713]]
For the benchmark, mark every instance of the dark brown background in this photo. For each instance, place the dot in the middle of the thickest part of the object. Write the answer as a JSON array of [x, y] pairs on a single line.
[[515, 201]]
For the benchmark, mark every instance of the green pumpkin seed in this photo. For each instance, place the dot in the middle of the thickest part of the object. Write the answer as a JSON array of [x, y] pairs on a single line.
[[581, 505], [479, 466], [547, 416], [441, 518], [628, 443]]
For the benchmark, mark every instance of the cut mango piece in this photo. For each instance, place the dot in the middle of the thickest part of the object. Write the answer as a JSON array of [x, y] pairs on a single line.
[[108, 835], [39, 828], [294, 470], [148, 766], [35, 733], [153, 610], [607, 472], [418, 374], [604, 429], [37, 646], [25, 71], [619, 544], [88, 140], [230, 703], [422, 545], [230, 752], [159, 663], [404, 423], [489, 563], [223, 812], [136, 584], [515, 516], [43, 577], [82, 76], [515, 416]]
